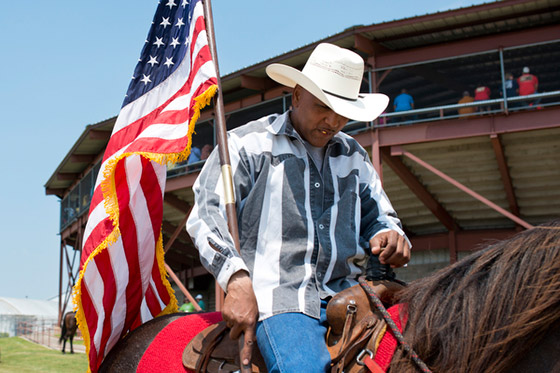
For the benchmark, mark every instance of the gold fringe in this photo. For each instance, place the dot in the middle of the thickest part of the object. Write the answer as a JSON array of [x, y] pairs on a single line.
[[172, 306], [112, 208]]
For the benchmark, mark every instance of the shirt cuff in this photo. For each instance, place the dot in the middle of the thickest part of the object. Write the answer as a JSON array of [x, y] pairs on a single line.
[[231, 266]]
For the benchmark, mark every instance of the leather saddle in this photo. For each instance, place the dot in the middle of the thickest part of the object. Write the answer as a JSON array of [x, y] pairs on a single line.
[[353, 327], [212, 350]]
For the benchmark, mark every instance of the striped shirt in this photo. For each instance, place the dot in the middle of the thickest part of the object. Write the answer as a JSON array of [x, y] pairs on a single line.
[[304, 234]]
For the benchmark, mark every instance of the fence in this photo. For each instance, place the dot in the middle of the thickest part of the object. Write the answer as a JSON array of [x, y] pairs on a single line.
[[41, 330]]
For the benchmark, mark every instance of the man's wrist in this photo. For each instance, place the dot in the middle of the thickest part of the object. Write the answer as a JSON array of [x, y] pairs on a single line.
[[239, 278]]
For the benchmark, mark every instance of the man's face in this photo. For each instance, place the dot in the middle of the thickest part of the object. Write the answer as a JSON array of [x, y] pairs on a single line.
[[315, 122]]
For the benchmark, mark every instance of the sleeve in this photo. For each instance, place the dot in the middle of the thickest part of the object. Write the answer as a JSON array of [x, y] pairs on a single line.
[[207, 223], [377, 213]]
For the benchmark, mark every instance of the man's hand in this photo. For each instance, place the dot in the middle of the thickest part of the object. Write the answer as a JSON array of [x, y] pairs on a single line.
[[241, 312], [391, 247]]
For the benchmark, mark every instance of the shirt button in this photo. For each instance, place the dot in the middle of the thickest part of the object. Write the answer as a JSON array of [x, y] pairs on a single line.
[[317, 185], [321, 226]]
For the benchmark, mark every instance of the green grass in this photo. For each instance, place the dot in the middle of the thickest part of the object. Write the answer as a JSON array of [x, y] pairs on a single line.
[[19, 355]]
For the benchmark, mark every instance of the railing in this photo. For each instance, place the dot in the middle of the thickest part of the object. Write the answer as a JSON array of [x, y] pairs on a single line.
[[443, 112], [499, 105]]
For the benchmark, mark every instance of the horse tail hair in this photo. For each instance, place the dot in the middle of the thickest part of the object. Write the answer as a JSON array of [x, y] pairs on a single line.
[[63, 330]]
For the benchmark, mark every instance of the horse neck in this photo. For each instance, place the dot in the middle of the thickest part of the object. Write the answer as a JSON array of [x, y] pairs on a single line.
[[544, 357]]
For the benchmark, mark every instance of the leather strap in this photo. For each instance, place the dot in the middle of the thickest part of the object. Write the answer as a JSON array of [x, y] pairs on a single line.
[[372, 365]]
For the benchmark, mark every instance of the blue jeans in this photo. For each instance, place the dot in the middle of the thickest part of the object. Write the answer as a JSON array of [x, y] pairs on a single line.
[[294, 342]]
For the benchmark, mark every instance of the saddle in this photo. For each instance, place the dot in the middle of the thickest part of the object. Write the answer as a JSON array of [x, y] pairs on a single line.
[[354, 327], [212, 350]]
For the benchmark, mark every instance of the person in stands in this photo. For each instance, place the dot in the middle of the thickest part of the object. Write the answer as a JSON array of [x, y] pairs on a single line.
[[403, 102], [482, 93], [466, 99], [512, 89], [528, 85]]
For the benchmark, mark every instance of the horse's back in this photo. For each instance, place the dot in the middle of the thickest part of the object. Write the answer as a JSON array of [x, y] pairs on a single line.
[[157, 344]]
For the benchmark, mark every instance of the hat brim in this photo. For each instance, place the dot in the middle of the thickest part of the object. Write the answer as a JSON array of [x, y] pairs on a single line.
[[366, 108]]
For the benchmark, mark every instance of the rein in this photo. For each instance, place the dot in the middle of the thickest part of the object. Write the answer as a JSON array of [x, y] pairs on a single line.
[[396, 332]]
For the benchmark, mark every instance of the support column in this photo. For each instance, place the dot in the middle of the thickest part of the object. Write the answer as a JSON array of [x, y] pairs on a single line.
[[452, 247], [62, 245], [376, 153]]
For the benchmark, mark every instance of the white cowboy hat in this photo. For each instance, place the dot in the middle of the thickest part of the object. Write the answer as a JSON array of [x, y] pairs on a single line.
[[334, 76]]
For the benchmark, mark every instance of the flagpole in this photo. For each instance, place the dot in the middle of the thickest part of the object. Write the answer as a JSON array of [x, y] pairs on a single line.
[[221, 132], [223, 151]]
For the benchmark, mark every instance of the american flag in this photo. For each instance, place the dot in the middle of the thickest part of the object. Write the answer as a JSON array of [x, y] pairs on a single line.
[[123, 282]]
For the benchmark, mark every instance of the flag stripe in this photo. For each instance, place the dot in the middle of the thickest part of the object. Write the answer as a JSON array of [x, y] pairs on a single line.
[[91, 319], [119, 309], [129, 240], [137, 128], [103, 263]]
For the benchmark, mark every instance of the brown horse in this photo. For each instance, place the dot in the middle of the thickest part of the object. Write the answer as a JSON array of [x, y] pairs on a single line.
[[68, 330], [497, 310]]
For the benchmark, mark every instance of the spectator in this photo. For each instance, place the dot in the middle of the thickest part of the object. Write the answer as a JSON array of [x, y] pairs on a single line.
[[194, 156], [512, 89], [467, 98], [403, 102], [205, 152], [200, 302], [482, 93], [528, 83], [187, 307]]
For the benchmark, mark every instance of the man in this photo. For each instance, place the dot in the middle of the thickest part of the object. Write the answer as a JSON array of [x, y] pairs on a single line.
[[311, 210], [467, 98], [512, 88], [403, 102], [528, 83], [187, 307], [482, 93], [200, 302]]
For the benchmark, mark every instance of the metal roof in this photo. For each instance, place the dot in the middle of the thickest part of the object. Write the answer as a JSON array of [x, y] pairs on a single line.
[[28, 307]]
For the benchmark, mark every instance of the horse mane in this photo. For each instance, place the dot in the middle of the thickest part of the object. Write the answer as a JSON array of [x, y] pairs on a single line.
[[487, 311]]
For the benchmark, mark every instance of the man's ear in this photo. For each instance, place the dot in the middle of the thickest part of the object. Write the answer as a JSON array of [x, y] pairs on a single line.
[[296, 95]]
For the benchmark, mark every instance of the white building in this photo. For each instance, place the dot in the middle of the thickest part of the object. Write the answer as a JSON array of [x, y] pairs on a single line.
[[23, 316]]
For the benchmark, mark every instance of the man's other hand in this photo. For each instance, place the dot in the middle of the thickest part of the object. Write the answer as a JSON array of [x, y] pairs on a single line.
[[392, 248], [241, 312]]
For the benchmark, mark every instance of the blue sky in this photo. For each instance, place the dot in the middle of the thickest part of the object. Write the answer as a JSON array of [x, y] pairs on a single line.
[[66, 64]]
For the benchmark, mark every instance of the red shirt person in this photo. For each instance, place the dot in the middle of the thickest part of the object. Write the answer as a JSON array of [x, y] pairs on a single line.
[[528, 83], [482, 93]]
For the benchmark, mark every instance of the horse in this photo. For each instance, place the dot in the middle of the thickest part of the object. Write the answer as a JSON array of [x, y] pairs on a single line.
[[497, 310], [68, 330]]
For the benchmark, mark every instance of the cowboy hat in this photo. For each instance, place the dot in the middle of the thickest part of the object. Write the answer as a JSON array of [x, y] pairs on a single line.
[[334, 76]]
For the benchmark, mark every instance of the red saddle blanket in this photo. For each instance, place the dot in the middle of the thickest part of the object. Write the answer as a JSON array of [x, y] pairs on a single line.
[[388, 344], [165, 352]]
